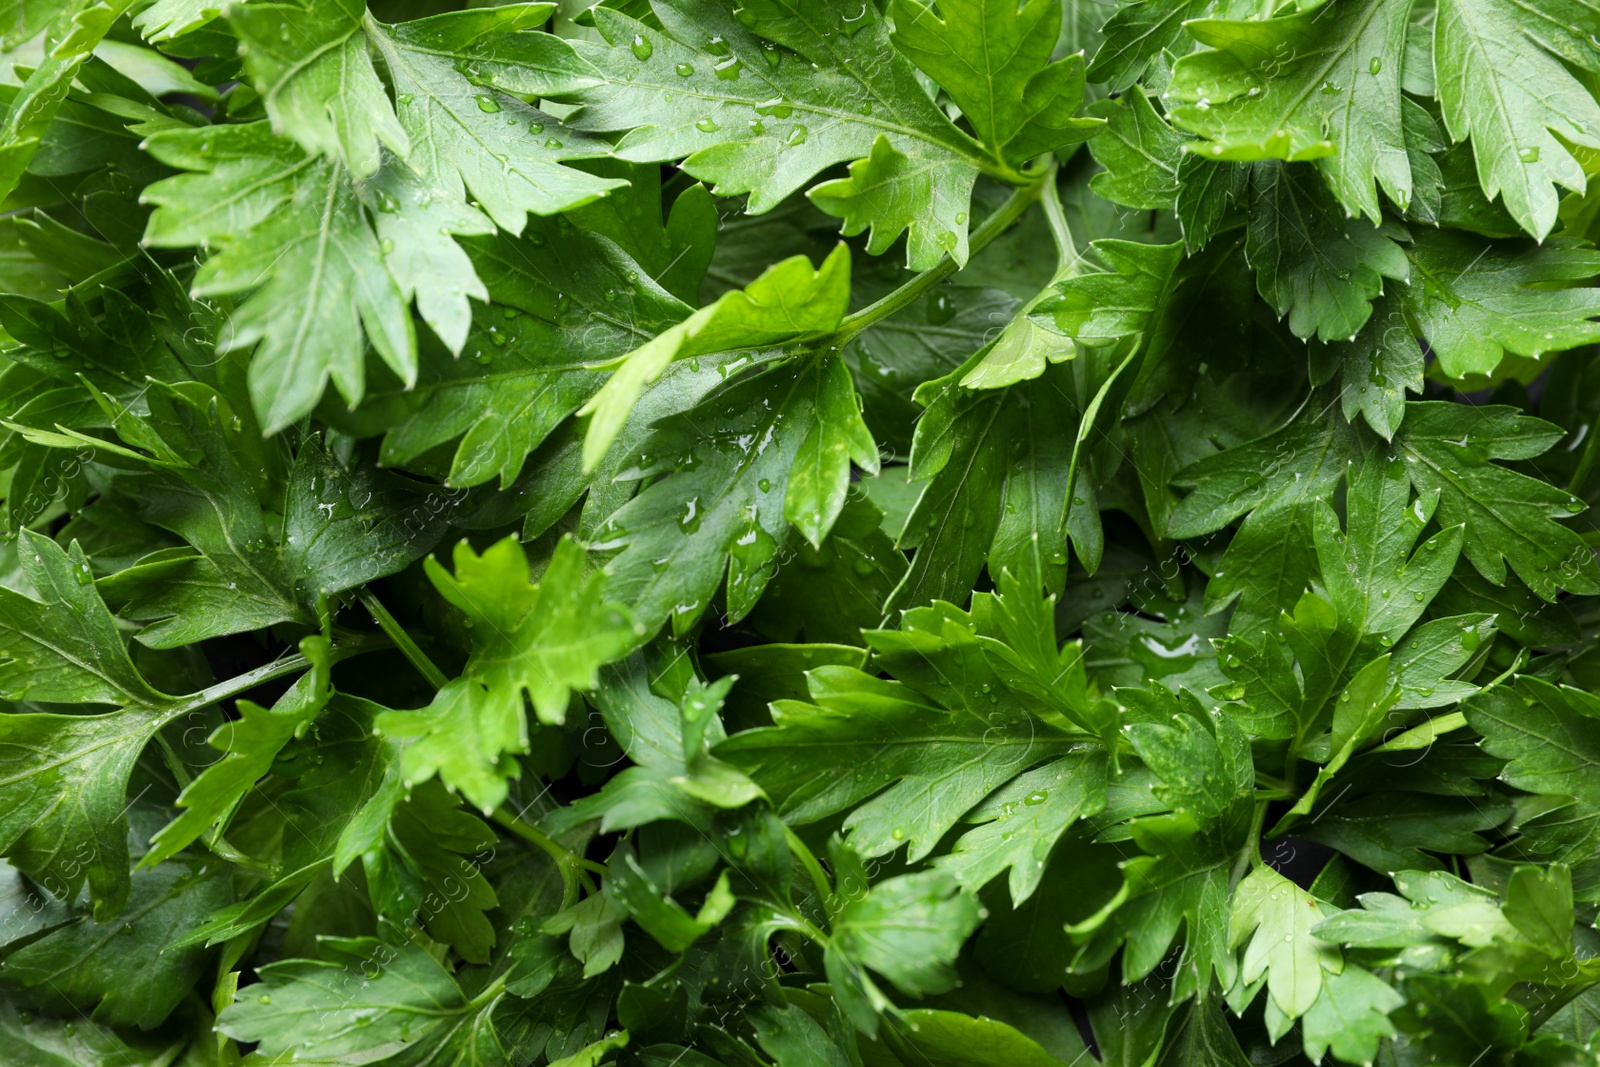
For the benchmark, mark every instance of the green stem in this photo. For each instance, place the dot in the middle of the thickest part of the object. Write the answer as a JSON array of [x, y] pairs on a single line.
[[809, 861], [212, 838], [402, 640], [243, 683], [1085, 427], [1251, 856], [570, 865], [490, 992], [805, 926], [1067, 255], [233, 687], [1586, 462], [993, 226], [1516, 665]]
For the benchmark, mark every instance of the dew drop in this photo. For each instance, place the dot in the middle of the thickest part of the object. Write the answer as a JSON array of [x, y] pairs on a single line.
[[488, 103], [642, 48]]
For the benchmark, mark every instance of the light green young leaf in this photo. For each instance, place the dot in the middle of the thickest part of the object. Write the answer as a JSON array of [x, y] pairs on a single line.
[[289, 227], [908, 929], [313, 68], [993, 58], [789, 301], [1432, 905], [465, 139], [595, 926], [1277, 917], [1358, 717], [167, 19], [1140, 152], [784, 90], [1503, 82], [594, 1053], [544, 639], [889, 193], [1351, 1018], [1322, 83], [249, 745], [1476, 300], [1103, 307], [820, 477]]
